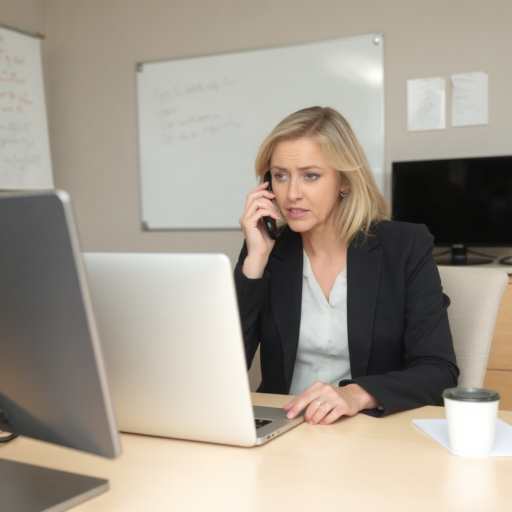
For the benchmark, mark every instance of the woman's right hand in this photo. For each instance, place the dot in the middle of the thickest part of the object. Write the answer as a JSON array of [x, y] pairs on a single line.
[[259, 244]]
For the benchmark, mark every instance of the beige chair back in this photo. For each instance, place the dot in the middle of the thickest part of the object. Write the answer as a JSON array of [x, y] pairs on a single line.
[[475, 295]]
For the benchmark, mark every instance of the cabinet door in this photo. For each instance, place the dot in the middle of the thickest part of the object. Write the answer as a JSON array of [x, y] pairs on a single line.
[[500, 381], [500, 356]]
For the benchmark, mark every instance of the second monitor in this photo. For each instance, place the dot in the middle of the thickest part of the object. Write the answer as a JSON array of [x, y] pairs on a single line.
[[465, 202]]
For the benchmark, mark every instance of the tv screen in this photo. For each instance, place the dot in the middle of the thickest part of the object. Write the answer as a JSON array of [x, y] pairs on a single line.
[[466, 201]]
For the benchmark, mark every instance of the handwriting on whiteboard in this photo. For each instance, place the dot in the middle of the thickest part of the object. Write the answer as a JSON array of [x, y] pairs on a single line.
[[188, 89], [190, 121], [175, 128], [17, 134]]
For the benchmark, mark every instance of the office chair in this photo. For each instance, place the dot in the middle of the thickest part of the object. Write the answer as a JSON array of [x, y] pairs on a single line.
[[475, 295]]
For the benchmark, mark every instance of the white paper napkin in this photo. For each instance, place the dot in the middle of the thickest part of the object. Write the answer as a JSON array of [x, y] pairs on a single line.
[[438, 431]]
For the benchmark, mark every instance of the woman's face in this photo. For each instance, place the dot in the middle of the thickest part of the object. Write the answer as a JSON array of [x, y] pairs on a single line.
[[307, 188]]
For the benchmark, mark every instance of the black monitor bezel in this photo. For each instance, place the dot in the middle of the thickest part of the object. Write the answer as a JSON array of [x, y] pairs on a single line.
[[464, 244]]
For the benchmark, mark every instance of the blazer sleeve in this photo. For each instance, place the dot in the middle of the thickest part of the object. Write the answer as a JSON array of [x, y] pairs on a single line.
[[251, 295], [430, 359]]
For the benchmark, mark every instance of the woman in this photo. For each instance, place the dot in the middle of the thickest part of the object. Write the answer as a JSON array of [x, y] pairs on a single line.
[[346, 306]]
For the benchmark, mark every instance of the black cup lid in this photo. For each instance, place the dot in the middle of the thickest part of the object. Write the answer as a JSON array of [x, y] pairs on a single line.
[[471, 394]]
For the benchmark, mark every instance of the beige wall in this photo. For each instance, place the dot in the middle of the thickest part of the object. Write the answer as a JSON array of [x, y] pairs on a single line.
[[92, 47], [27, 14]]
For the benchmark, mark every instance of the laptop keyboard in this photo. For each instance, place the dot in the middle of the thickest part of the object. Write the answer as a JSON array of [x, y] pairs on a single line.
[[261, 423]]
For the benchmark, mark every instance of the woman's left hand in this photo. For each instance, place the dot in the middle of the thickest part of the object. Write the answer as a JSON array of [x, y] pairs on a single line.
[[326, 403]]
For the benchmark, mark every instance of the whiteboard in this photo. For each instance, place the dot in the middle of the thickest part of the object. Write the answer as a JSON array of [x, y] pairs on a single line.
[[201, 121], [25, 161]]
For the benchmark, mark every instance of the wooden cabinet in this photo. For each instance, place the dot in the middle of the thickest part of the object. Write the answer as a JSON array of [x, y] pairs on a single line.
[[499, 365], [501, 381]]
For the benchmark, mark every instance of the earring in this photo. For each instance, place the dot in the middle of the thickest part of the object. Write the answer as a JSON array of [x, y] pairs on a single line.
[[343, 194]]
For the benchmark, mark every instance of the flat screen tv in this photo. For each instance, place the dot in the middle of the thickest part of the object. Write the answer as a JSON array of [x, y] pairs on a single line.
[[464, 202]]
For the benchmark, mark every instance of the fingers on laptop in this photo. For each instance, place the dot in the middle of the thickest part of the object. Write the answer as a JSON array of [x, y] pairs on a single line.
[[324, 403]]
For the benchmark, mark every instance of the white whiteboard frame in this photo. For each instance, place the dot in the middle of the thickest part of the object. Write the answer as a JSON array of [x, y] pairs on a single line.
[[200, 183]]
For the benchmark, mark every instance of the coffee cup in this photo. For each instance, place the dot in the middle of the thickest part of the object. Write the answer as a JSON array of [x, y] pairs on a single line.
[[471, 415]]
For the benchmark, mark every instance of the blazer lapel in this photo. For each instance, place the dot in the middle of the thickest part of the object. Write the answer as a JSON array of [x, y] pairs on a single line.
[[364, 259], [286, 296]]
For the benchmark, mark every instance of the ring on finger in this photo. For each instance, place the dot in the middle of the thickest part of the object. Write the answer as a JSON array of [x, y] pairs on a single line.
[[318, 402]]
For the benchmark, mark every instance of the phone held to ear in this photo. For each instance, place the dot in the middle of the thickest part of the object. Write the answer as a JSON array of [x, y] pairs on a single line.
[[269, 222]]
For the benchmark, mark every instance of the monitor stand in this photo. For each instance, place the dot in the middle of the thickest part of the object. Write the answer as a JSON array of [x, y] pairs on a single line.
[[27, 488], [459, 256]]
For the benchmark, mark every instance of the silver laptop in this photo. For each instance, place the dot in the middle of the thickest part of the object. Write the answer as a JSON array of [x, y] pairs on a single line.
[[170, 329]]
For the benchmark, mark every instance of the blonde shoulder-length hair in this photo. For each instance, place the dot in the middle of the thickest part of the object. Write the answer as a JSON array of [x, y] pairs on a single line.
[[364, 204]]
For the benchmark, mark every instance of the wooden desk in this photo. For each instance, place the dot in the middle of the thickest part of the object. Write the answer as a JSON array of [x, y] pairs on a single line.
[[359, 463]]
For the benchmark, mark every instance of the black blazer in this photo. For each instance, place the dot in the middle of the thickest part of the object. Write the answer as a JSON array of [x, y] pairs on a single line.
[[400, 345]]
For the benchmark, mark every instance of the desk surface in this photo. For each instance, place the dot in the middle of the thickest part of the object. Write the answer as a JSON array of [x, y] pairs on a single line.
[[359, 463]]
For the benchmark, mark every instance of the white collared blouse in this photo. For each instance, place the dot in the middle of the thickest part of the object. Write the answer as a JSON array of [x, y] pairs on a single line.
[[322, 354]]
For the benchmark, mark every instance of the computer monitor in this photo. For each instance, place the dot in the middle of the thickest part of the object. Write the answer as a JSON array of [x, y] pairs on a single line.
[[465, 202], [53, 384]]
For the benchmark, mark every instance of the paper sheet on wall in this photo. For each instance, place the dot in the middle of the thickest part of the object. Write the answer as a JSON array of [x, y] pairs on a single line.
[[426, 100], [25, 161], [470, 99]]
